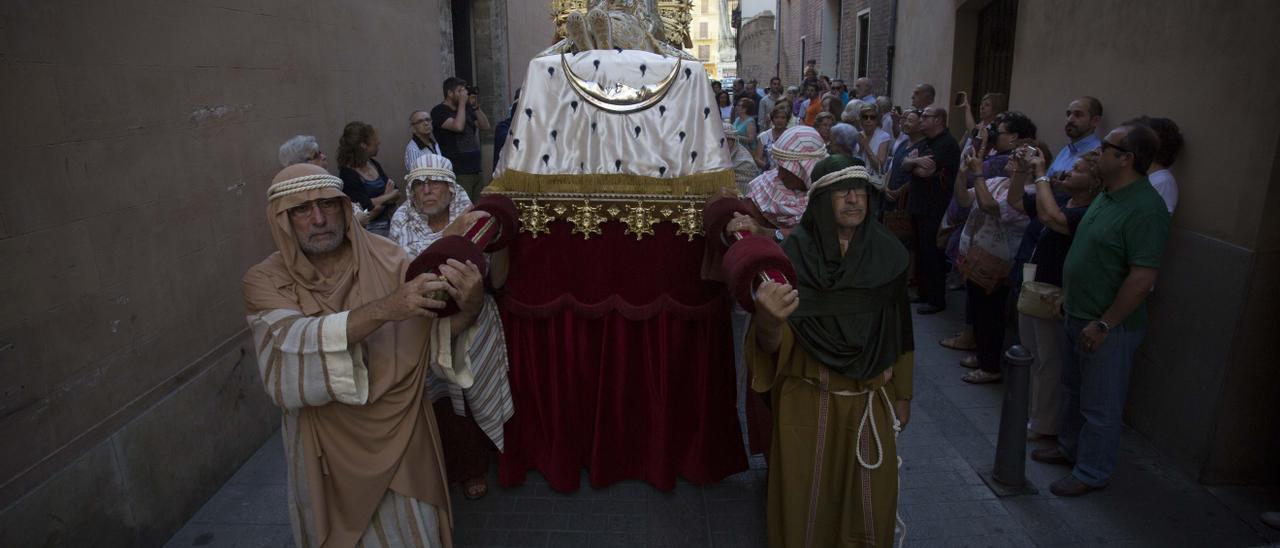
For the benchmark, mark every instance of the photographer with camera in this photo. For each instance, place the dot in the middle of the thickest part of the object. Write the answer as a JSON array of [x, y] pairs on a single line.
[[992, 104], [1055, 210], [990, 237], [457, 123]]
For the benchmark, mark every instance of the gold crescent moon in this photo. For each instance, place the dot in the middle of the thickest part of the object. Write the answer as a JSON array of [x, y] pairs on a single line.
[[620, 98]]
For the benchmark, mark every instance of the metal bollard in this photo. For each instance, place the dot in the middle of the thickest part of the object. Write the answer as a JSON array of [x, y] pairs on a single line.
[[1009, 471]]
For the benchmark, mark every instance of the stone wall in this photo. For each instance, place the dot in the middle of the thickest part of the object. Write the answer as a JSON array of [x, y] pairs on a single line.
[[146, 134], [758, 47]]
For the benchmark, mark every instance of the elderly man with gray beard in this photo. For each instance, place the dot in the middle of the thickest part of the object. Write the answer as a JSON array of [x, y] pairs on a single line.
[[343, 347]]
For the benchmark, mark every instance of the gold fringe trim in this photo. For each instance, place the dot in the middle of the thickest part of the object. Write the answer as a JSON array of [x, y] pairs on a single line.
[[603, 185]]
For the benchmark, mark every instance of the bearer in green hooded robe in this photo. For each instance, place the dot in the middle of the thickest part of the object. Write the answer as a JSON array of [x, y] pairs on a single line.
[[836, 353]]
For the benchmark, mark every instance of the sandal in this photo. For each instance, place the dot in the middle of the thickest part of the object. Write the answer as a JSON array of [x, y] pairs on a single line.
[[970, 361], [978, 376], [475, 488], [960, 341]]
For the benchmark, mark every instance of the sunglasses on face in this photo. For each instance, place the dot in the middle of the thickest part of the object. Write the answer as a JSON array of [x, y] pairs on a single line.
[[1107, 145]]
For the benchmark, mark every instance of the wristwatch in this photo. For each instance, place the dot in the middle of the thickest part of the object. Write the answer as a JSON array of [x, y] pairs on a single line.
[[1106, 327], [1044, 179]]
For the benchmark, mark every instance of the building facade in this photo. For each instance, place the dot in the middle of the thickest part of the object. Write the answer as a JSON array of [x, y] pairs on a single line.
[[713, 37], [847, 39]]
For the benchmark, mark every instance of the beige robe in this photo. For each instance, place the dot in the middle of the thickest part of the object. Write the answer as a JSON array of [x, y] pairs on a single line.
[[845, 503]]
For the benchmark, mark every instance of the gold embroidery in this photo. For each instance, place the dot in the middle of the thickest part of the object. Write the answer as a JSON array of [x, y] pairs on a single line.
[[534, 218], [586, 219], [689, 221], [639, 220]]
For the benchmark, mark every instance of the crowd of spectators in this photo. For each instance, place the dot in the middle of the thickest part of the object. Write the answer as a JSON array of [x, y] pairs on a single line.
[[993, 212]]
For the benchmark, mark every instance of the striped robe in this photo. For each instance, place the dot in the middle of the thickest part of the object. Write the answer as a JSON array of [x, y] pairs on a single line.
[[306, 361], [490, 396]]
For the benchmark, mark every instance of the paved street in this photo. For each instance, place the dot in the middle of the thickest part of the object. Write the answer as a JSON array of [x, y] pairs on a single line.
[[944, 502]]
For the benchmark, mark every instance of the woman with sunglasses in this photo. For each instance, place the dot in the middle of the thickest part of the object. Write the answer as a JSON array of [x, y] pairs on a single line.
[[873, 142]]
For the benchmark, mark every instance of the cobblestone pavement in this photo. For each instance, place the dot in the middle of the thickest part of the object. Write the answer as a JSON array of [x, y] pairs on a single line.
[[944, 501]]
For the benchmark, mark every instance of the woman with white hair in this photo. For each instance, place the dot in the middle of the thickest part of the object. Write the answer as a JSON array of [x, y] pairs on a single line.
[[844, 138], [302, 149], [470, 419]]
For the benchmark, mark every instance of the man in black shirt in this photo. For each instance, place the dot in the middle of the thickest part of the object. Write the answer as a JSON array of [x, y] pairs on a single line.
[[933, 166], [457, 122]]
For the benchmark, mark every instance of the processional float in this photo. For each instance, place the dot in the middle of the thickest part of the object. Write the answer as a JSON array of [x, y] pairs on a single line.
[[620, 346]]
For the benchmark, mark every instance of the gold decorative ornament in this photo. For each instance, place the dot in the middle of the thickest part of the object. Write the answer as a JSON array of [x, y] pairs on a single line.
[[560, 209], [656, 26], [619, 98], [639, 220], [688, 222], [586, 219], [534, 218]]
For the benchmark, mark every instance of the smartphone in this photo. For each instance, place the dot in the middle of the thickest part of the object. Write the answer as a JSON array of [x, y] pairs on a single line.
[[960, 98], [898, 110]]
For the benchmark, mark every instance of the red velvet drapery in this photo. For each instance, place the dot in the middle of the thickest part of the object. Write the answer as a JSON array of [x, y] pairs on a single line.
[[621, 361]]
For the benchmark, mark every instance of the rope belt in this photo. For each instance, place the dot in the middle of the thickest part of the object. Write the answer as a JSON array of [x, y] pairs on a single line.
[[868, 416]]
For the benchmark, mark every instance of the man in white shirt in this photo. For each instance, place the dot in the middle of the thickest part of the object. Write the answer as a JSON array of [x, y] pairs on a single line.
[[421, 141], [862, 90], [1170, 145]]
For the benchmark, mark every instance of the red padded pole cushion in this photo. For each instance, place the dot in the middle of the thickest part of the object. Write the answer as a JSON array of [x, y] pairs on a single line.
[[717, 214], [448, 247], [504, 211], [746, 259]]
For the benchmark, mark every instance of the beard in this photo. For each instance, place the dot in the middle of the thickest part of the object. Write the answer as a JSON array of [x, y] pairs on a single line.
[[435, 210], [339, 228]]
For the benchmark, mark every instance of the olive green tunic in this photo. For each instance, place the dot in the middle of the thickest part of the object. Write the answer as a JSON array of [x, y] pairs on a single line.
[[847, 504]]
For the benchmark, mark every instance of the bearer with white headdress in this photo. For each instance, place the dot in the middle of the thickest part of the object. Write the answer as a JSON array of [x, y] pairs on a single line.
[[471, 418]]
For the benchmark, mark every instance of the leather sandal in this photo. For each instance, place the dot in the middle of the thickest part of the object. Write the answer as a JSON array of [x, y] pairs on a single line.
[[959, 342], [970, 361], [475, 488], [978, 376]]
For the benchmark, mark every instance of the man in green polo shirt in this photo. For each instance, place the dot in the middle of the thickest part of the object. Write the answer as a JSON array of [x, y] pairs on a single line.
[[1108, 273]]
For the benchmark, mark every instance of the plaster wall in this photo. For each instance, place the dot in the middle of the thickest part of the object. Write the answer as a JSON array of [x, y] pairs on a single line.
[[147, 133]]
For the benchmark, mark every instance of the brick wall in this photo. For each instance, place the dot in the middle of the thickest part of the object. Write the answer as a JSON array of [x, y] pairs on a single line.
[[146, 134], [804, 17]]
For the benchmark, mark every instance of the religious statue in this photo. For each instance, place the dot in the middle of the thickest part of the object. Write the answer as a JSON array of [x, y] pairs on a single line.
[[620, 24]]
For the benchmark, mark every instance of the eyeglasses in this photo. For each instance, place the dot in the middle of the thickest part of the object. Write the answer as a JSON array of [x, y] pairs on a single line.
[[328, 206], [860, 193], [1106, 145], [928, 115], [868, 117], [422, 121]]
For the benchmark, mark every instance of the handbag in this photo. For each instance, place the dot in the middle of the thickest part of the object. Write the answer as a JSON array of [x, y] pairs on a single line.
[[898, 221], [1040, 300], [984, 269]]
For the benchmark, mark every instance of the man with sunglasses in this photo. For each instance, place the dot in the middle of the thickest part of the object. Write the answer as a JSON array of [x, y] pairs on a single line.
[[1108, 273], [933, 163]]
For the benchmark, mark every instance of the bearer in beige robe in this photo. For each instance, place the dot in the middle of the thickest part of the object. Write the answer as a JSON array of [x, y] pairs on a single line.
[[343, 346]]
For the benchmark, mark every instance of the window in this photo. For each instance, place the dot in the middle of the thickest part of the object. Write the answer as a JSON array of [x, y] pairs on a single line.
[[702, 29], [704, 53], [864, 30], [706, 6]]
